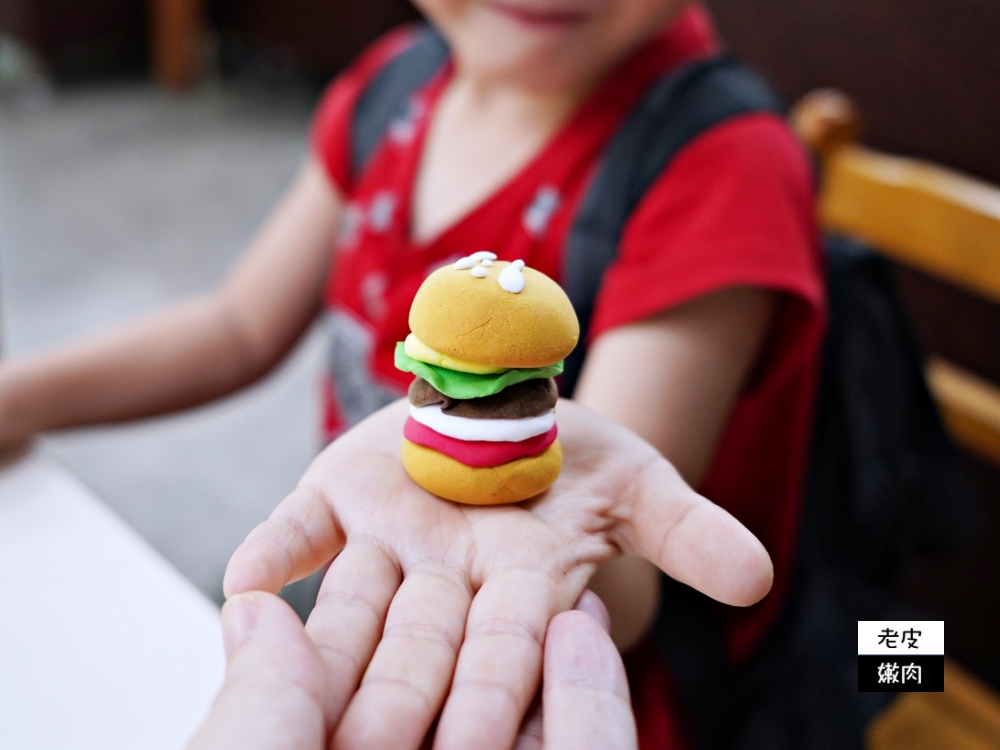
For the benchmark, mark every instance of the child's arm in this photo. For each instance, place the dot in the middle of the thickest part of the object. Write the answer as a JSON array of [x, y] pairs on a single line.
[[695, 361], [194, 351]]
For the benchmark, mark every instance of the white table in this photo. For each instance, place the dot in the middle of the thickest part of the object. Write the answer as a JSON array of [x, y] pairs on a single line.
[[102, 643]]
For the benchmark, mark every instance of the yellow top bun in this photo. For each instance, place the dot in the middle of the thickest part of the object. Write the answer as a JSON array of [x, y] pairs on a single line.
[[474, 319]]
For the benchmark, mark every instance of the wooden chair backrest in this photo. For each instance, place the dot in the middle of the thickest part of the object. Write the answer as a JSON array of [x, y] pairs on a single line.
[[924, 216]]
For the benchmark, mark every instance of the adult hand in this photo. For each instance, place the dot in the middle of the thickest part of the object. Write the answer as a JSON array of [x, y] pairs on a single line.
[[275, 684], [436, 608], [585, 696]]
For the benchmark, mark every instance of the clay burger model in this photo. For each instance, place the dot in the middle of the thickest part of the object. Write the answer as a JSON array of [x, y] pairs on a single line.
[[487, 338]]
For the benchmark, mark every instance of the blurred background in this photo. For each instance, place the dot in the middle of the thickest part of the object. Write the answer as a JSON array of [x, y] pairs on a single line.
[[142, 142]]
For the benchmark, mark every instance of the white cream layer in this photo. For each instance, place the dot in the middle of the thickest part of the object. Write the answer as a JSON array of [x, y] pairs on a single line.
[[490, 430]]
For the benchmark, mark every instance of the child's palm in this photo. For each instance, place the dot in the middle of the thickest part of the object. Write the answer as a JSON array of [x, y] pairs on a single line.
[[437, 604]]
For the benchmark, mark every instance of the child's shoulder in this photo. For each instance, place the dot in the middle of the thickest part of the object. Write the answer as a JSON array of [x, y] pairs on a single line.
[[373, 57], [735, 208], [752, 147], [349, 84]]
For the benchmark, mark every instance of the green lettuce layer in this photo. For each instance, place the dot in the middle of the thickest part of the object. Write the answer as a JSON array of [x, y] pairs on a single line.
[[466, 384]]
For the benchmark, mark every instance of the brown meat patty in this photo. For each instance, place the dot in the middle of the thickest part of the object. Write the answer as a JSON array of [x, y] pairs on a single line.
[[519, 401]]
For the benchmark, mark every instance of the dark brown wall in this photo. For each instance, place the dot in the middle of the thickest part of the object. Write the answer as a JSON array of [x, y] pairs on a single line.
[[319, 36], [926, 73], [14, 18], [80, 36], [54, 25]]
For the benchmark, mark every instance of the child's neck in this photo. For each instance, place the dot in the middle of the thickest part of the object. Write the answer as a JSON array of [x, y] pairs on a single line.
[[490, 97], [481, 135]]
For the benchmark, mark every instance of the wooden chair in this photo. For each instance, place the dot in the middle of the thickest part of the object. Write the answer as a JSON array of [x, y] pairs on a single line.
[[946, 225]]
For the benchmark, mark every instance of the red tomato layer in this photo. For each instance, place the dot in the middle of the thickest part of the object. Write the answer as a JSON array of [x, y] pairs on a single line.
[[477, 453]]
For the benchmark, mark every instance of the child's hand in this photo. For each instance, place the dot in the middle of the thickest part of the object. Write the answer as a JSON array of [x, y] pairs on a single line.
[[442, 608]]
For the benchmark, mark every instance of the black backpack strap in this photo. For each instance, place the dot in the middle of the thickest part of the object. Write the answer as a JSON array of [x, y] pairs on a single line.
[[675, 110], [387, 96]]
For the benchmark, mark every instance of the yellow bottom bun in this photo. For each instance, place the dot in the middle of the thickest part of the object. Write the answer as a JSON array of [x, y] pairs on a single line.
[[511, 482]]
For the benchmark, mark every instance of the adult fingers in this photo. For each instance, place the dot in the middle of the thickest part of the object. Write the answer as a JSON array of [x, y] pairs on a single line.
[[591, 604], [409, 674], [695, 541], [531, 735], [301, 535], [585, 696], [274, 687], [499, 667], [347, 621]]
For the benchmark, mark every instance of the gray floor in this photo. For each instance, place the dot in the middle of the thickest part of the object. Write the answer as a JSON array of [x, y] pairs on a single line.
[[114, 201]]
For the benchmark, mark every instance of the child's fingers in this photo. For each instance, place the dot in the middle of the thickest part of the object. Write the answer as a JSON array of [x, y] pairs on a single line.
[[347, 621], [695, 541], [301, 536], [409, 674], [586, 697], [499, 667]]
